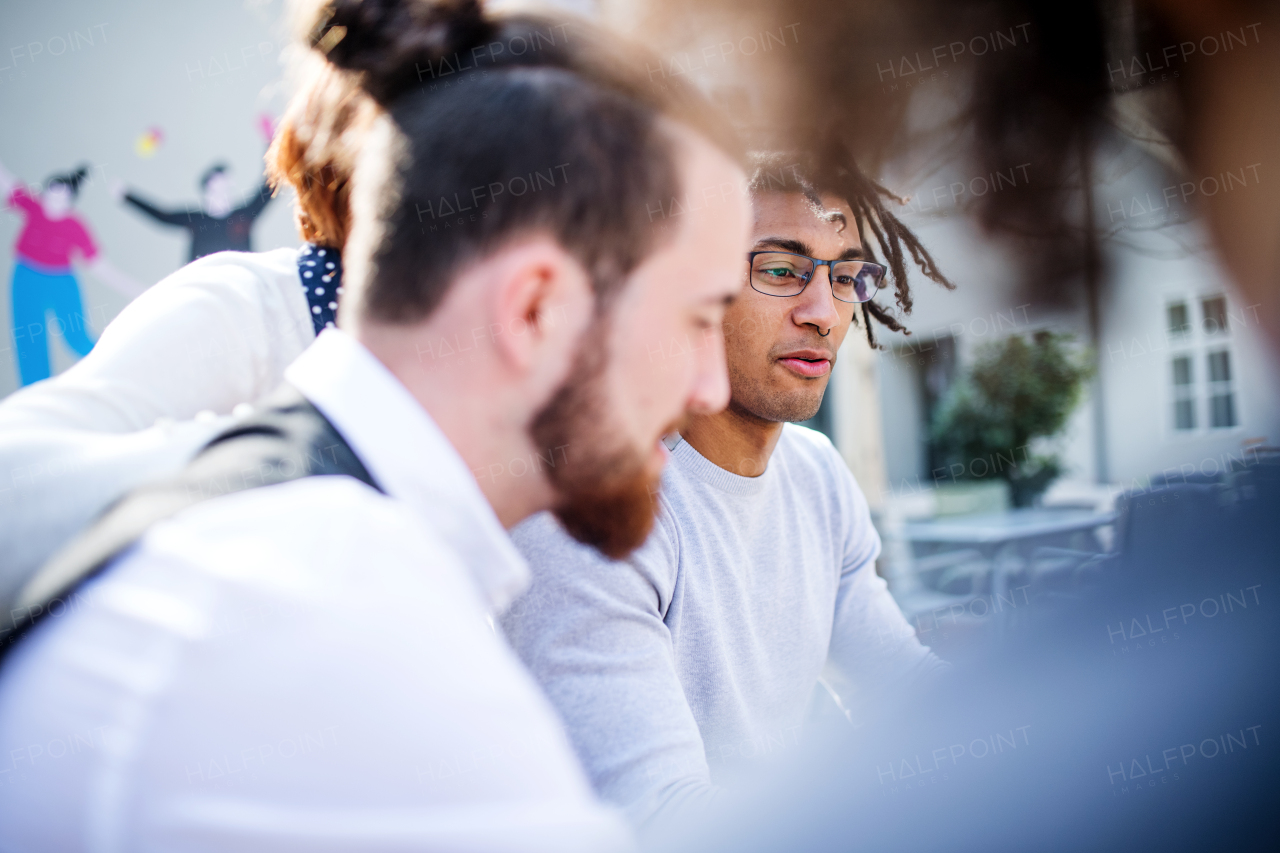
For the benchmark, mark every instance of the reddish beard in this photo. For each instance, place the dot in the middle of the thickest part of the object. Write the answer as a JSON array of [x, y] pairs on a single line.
[[607, 497]]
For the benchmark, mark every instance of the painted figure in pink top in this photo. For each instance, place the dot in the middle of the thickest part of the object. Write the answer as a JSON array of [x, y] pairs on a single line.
[[43, 279]]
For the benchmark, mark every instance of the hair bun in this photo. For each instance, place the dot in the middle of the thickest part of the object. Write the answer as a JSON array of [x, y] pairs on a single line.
[[389, 41], [71, 180]]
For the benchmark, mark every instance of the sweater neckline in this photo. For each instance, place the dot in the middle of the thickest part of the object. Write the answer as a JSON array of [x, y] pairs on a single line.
[[706, 471]]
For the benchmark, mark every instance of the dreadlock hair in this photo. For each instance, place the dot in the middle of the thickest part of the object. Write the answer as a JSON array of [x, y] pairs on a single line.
[[835, 172]]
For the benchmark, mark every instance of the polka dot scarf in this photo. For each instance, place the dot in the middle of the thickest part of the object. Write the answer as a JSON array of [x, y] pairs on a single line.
[[320, 271]]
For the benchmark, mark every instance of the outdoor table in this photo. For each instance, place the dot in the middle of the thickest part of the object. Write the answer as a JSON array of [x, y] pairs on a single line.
[[990, 533]]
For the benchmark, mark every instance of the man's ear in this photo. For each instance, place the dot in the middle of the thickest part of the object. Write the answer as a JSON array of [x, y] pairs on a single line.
[[541, 304]]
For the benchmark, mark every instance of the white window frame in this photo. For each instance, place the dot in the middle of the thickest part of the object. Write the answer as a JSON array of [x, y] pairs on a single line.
[[1198, 344]]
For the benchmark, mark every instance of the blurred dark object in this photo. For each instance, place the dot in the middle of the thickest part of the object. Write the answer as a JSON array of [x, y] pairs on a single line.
[[1008, 82], [1190, 520], [1133, 705], [1163, 522]]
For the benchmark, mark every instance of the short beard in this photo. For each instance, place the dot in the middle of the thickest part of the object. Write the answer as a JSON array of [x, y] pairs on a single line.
[[605, 496]]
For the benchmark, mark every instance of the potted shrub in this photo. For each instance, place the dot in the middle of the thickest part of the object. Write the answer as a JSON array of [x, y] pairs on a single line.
[[1017, 390]]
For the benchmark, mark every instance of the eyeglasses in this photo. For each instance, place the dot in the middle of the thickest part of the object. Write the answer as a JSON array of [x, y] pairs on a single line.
[[788, 274]]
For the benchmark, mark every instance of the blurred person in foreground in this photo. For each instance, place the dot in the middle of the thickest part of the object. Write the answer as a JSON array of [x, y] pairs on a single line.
[[993, 84], [308, 662], [1132, 705], [702, 651]]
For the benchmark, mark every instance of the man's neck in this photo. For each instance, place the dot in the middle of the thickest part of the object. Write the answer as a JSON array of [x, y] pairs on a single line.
[[736, 440], [477, 425], [491, 457]]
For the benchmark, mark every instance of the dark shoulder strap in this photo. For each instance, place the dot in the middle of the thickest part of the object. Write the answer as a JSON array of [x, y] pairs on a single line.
[[286, 439]]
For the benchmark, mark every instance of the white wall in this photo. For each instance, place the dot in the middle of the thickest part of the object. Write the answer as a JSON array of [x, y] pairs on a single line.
[[1136, 361], [1153, 259], [857, 422], [202, 71]]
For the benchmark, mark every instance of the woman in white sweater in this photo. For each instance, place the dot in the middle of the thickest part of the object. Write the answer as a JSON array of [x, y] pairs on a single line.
[[178, 363]]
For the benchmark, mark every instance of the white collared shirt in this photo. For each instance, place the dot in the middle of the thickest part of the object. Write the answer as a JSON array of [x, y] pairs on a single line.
[[303, 666], [410, 458]]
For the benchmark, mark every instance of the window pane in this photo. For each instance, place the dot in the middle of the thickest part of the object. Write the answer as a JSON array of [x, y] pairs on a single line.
[[1219, 367], [1184, 414], [1179, 318], [1222, 410], [1215, 315], [1182, 371]]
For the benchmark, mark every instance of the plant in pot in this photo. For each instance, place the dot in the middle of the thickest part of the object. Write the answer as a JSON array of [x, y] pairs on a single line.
[[1017, 390]]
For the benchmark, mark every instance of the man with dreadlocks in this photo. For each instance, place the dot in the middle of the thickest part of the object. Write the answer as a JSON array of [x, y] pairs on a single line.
[[703, 650]]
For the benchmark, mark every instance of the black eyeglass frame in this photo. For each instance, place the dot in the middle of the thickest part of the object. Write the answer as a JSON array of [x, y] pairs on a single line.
[[830, 265]]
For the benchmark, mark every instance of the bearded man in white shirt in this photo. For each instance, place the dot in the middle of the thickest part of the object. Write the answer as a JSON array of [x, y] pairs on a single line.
[[699, 655], [311, 664]]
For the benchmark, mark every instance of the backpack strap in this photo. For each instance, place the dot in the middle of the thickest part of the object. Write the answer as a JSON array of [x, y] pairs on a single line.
[[286, 439]]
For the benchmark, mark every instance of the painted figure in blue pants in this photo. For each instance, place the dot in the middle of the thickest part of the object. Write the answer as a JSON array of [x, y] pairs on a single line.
[[44, 282]]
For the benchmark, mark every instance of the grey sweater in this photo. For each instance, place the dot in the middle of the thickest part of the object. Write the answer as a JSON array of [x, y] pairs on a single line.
[[701, 652]]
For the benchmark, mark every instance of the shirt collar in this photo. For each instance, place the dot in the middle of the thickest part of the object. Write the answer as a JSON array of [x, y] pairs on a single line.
[[409, 457]]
